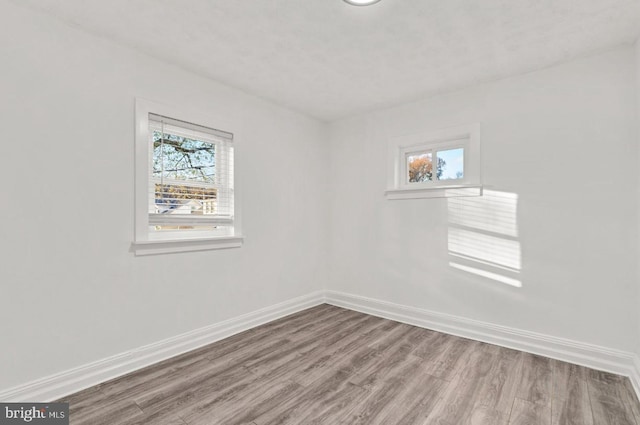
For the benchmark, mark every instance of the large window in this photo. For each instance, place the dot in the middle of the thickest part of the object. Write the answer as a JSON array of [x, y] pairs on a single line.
[[191, 177], [187, 171], [443, 163]]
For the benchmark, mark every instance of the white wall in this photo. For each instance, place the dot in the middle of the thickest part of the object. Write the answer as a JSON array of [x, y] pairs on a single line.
[[71, 291], [564, 141]]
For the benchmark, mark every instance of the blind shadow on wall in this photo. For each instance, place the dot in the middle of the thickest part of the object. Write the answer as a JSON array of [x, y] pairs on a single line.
[[483, 236]]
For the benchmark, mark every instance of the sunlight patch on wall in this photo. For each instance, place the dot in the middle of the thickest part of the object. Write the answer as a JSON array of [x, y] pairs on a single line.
[[489, 275], [483, 236], [485, 247], [494, 212]]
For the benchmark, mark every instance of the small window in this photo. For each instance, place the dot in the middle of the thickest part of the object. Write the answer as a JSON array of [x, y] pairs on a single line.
[[450, 165], [440, 164], [188, 182]]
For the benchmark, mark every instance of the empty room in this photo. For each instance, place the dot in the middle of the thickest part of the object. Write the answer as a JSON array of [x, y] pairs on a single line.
[[325, 212]]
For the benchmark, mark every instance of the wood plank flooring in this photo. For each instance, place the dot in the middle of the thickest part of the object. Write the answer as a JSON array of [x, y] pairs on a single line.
[[328, 365]]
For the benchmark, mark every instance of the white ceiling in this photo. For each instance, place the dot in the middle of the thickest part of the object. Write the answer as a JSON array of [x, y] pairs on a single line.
[[331, 60]]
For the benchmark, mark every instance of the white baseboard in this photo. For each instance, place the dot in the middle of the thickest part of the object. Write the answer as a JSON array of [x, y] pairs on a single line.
[[593, 356], [59, 385]]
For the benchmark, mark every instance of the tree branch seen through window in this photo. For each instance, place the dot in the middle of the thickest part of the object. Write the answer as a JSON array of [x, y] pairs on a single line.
[[421, 168]]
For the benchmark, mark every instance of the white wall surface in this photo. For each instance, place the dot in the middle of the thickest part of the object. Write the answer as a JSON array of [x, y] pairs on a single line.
[[563, 142], [71, 292]]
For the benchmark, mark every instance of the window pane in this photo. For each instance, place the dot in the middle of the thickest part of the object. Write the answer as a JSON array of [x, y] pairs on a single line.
[[419, 167], [451, 164], [180, 158], [180, 199]]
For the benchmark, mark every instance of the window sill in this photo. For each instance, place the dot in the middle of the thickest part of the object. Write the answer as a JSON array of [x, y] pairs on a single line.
[[434, 192], [168, 246]]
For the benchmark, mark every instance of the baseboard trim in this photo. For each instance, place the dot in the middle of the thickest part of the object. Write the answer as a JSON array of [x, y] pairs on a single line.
[[61, 384], [68, 382], [593, 356]]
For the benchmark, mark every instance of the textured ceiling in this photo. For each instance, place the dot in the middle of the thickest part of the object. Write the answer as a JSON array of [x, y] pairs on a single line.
[[331, 60]]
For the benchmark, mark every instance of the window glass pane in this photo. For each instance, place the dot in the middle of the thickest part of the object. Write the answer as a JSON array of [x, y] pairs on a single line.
[[181, 199], [180, 158], [419, 167], [451, 164]]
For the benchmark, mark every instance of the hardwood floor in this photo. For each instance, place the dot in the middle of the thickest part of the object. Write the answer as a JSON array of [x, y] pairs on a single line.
[[328, 365]]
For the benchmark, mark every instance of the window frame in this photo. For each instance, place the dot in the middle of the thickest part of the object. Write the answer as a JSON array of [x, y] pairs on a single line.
[[149, 243], [466, 137]]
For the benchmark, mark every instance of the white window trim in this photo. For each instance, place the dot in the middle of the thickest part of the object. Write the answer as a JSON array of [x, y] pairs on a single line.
[[467, 137], [149, 244]]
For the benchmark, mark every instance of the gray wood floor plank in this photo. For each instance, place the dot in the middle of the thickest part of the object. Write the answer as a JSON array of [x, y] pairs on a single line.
[[107, 412], [630, 399], [308, 358], [388, 389], [165, 418], [182, 368], [227, 347], [235, 408], [433, 347], [219, 372], [460, 402], [215, 388], [495, 399], [139, 389], [351, 360], [413, 404], [565, 378], [332, 366], [385, 365], [326, 402], [452, 359], [570, 404], [536, 381], [607, 404], [262, 364], [525, 412], [236, 380], [84, 400], [309, 341], [482, 393], [327, 360]]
